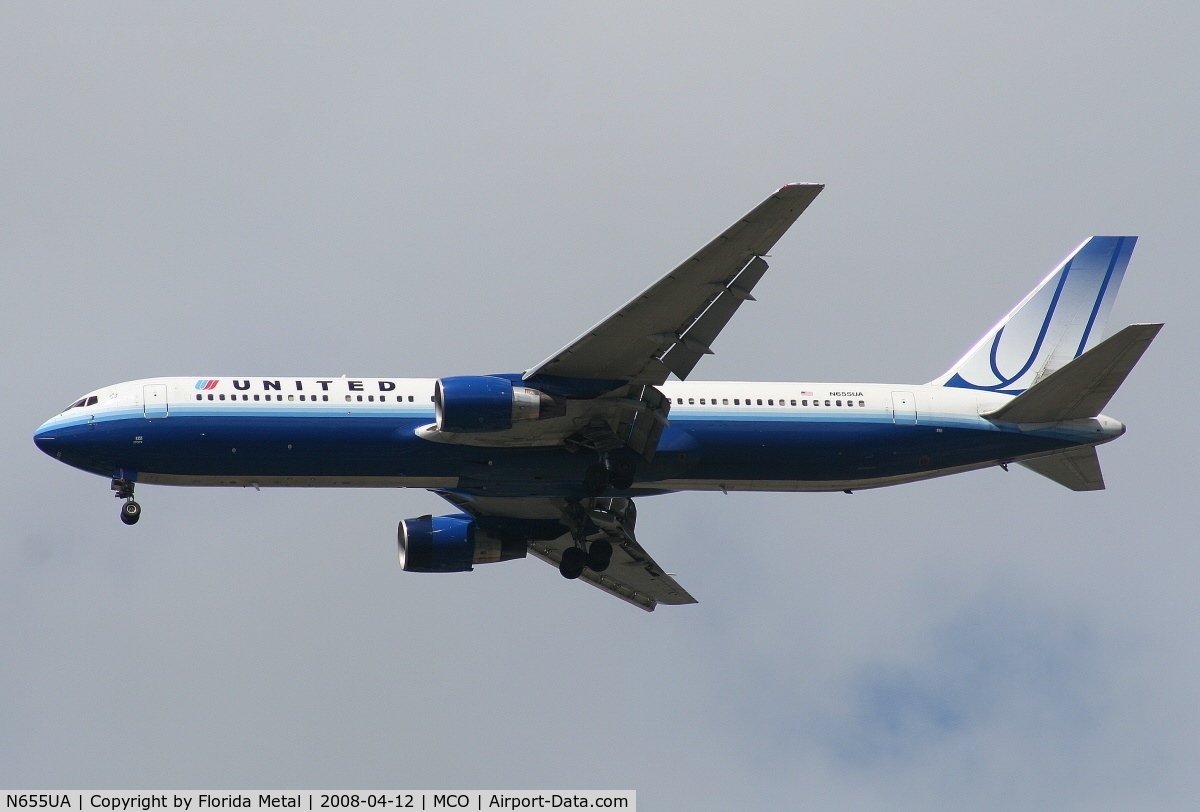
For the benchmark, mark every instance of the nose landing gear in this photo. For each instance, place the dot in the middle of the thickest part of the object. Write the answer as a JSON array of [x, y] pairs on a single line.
[[131, 511]]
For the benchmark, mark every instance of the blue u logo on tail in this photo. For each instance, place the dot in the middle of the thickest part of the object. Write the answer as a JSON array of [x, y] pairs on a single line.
[[1059, 320]]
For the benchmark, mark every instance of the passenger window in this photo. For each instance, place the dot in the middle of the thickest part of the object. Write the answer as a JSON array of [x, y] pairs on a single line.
[[291, 397], [839, 403], [701, 401], [347, 398], [770, 403], [410, 400], [679, 401], [256, 397], [324, 397], [826, 403], [210, 397], [691, 402], [804, 403], [220, 397], [724, 401], [860, 403], [199, 397], [849, 403], [736, 403], [360, 398], [370, 398], [760, 401]]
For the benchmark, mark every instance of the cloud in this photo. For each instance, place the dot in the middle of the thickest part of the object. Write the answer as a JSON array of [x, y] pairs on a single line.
[[998, 664]]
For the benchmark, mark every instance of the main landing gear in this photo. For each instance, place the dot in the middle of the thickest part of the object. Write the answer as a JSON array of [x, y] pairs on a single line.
[[614, 469], [575, 560], [131, 511], [592, 521]]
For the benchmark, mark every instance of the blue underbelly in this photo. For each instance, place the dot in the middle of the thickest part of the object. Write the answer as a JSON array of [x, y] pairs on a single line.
[[385, 446]]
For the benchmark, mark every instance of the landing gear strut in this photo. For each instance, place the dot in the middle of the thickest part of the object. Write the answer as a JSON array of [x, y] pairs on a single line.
[[131, 511]]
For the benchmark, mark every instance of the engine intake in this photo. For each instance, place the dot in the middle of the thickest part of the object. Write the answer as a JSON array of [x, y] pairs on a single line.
[[488, 403], [453, 544]]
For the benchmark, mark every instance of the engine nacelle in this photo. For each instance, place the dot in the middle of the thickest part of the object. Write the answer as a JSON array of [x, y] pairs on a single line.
[[453, 544], [486, 403]]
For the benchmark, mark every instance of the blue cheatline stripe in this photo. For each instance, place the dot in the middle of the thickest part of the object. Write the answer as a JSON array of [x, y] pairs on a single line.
[[1112, 264], [1037, 347]]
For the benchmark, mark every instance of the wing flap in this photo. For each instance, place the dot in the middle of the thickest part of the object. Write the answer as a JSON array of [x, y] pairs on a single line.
[[697, 340]]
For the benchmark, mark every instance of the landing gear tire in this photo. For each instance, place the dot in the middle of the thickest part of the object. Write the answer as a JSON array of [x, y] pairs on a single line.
[[572, 563], [599, 555], [620, 472], [131, 511], [595, 480]]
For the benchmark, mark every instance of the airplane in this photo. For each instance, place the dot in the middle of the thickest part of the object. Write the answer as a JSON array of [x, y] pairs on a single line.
[[549, 461]]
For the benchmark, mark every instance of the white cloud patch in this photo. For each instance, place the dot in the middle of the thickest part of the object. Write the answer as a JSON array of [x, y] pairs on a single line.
[[996, 665]]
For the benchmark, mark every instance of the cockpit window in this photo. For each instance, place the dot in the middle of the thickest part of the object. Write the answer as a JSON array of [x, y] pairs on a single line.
[[92, 401]]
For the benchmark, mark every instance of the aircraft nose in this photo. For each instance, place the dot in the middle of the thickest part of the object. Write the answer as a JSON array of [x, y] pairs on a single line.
[[44, 438]]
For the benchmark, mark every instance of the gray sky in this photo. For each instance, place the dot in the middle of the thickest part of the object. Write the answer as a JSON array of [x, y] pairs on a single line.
[[394, 189]]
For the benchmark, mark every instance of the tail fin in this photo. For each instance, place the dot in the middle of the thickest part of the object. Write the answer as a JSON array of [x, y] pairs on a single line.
[[1058, 321]]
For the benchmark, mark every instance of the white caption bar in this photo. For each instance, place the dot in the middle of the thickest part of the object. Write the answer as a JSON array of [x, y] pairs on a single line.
[[415, 799]]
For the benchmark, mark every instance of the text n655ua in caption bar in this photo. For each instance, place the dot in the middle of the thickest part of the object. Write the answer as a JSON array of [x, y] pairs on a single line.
[[403, 799]]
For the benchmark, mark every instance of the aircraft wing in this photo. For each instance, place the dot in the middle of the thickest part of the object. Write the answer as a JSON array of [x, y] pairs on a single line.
[[672, 324], [632, 575]]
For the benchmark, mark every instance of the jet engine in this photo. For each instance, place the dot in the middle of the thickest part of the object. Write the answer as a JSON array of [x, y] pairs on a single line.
[[453, 544], [488, 403]]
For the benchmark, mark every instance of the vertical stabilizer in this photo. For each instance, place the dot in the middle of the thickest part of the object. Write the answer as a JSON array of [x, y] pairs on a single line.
[[1058, 321]]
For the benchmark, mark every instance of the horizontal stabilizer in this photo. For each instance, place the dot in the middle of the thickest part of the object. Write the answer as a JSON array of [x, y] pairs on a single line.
[[1077, 469], [1083, 386]]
